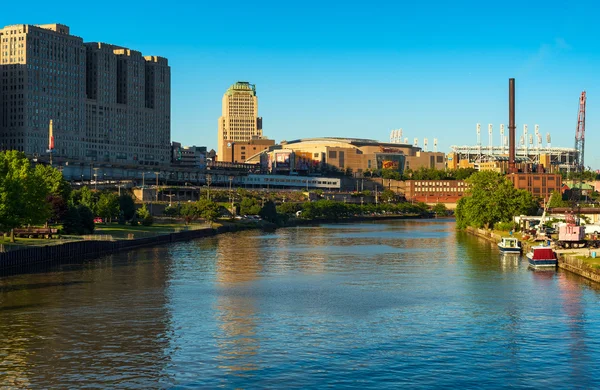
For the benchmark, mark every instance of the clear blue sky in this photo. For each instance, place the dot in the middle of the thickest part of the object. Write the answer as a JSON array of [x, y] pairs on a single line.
[[358, 68]]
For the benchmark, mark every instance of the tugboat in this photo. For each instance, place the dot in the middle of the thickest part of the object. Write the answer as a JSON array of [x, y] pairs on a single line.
[[542, 257], [509, 245]]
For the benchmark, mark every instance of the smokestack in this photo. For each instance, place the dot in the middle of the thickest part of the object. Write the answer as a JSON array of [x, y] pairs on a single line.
[[511, 126]]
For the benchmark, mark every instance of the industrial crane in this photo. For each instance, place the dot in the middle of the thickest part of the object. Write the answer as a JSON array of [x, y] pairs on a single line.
[[580, 134], [572, 235]]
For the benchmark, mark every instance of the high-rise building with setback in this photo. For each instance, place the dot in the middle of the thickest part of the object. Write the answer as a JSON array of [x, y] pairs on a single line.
[[239, 120], [108, 103], [42, 78]]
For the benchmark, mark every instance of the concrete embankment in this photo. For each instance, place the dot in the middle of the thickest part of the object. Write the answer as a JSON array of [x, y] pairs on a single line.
[[40, 257], [567, 259]]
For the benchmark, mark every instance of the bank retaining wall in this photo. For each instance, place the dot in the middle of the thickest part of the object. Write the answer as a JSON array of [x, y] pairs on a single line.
[[29, 259], [565, 261]]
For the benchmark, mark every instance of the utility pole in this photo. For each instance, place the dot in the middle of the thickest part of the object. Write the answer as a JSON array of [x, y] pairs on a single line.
[[230, 193], [156, 173], [96, 178], [208, 181]]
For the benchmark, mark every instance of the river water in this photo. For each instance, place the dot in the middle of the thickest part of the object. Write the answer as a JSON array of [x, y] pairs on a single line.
[[388, 304]]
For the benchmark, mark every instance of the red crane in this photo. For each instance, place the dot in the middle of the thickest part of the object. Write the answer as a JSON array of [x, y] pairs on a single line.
[[580, 134]]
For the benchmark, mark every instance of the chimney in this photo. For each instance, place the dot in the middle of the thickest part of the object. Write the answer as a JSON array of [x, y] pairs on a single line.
[[511, 126]]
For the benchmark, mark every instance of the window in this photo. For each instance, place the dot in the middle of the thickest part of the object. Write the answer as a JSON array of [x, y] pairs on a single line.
[[332, 154]]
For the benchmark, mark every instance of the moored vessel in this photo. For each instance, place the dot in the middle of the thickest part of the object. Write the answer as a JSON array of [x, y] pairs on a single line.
[[542, 257], [509, 245]]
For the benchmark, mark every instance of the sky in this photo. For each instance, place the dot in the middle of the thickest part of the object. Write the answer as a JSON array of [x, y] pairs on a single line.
[[361, 68]]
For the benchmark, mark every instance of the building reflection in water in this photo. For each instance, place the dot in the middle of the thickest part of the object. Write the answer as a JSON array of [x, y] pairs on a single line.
[[79, 327], [571, 295], [238, 264]]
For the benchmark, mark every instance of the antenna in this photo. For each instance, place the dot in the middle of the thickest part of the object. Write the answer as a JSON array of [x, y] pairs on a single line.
[[525, 140], [490, 131], [502, 139], [479, 139]]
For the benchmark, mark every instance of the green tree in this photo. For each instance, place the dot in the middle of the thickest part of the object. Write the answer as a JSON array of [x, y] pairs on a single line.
[[249, 206], [556, 200], [86, 218], [439, 209], [289, 208], [492, 198], [189, 211], [387, 195], [108, 205], [391, 174], [127, 206], [269, 212], [54, 180], [86, 197], [144, 216], [22, 194], [59, 190], [208, 210]]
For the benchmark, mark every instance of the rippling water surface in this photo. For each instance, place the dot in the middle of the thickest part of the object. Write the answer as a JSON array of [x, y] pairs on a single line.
[[405, 303]]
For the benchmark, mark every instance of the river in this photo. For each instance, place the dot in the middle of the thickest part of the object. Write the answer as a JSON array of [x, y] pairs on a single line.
[[388, 304]]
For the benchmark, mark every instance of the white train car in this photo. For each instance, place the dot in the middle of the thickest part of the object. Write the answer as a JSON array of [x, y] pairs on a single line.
[[292, 181]]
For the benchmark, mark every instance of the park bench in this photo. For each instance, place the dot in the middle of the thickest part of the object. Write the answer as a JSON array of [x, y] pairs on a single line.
[[35, 232]]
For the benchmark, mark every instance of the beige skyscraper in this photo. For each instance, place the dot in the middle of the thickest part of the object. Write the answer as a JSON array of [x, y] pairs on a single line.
[[107, 103], [239, 121]]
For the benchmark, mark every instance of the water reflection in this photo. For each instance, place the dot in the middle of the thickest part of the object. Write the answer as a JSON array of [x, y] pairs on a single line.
[[92, 326], [237, 265], [398, 304]]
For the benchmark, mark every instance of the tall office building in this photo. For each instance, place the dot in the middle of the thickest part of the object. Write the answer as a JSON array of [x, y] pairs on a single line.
[[107, 103], [42, 77], [239, 120]]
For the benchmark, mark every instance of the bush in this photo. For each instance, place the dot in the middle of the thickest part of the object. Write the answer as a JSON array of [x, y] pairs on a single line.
[[504, 226], [78, 220], [171, 211], [145, 216]]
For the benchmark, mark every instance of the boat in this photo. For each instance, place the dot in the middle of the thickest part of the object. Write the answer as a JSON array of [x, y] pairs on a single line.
[[509, 245], [542, 257]]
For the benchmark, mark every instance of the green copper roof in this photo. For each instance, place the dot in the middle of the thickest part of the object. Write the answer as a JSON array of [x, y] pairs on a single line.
[[241, 86]]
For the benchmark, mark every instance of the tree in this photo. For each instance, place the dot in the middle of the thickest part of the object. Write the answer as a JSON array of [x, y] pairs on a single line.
[[22, 194], [492, 198], [390, 174], [269, 212], [86, 197], [439, 209], [59, 190], [54, 180], [556, 200], [189, 211], [387, 195], [208, 210], [127, 206], [108, 205], [249, 206], [290, 208], [145, 216]]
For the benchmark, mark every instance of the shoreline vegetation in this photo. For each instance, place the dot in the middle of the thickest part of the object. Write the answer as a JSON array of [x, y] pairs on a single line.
[[84, 223]]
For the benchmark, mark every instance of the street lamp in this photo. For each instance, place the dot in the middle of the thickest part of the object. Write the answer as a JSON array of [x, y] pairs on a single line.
[[96, 178], [208, 181], [144, 183], [156, 173], [230, 193]]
